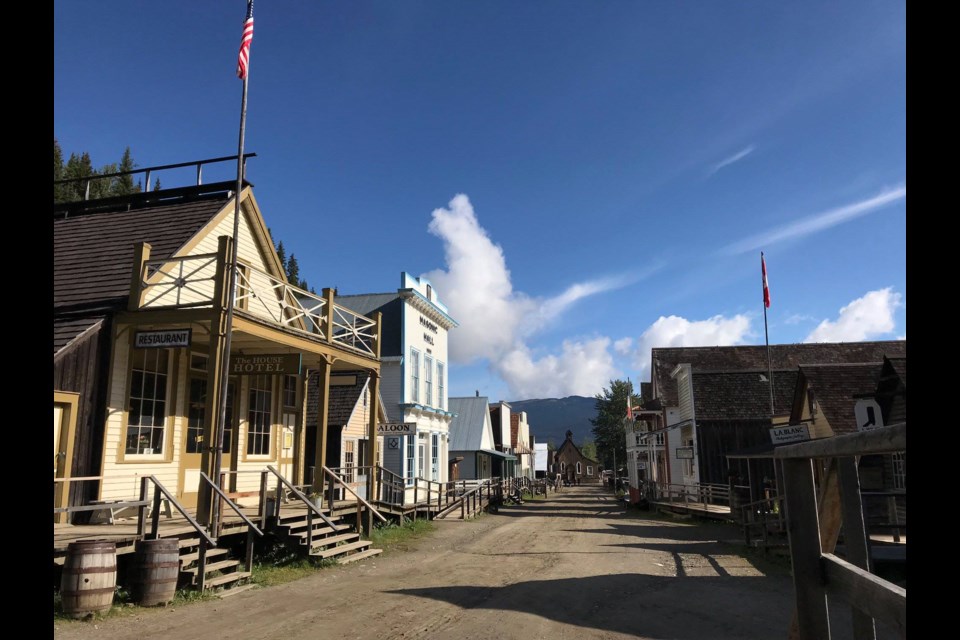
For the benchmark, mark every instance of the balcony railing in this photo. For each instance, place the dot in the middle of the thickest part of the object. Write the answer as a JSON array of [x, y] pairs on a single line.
[[191, 282]]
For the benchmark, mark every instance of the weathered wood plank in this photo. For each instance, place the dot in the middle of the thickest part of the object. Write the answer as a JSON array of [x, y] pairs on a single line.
[[803, 530], [883, 440], [875, 596], [855, 537]]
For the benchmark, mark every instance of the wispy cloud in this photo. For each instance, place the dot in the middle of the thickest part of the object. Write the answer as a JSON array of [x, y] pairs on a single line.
[[797, 318], [817, 222], [726, 162]]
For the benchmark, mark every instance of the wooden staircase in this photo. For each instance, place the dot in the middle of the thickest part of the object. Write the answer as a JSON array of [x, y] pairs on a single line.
[[319, 540], [223, 574]]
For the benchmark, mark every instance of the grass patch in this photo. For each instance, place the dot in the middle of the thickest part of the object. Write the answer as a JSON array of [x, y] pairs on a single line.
[[123, 605], [395, 536], [268, 575]]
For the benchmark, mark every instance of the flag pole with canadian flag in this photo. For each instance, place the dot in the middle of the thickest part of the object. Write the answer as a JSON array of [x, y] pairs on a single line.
[[766, 334]]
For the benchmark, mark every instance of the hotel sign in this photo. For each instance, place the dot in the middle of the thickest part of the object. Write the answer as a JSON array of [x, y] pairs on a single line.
[[278, 364], [684, 453], [789, 433], [396, 428], [163, 339]]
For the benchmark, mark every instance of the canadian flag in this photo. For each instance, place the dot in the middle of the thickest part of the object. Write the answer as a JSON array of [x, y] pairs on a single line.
[[766, 285]]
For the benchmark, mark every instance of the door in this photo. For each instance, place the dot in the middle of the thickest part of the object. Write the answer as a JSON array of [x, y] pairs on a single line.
[[193, 444], [64, 424], [285, 460]]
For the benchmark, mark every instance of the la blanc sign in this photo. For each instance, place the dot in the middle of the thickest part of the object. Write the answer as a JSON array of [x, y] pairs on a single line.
[[282, 363], [790, 433]]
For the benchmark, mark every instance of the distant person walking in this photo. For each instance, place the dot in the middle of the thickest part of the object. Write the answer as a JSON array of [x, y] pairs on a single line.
[[557, 483]]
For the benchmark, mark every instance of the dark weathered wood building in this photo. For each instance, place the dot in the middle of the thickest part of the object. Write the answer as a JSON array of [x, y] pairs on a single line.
[[572, 465]]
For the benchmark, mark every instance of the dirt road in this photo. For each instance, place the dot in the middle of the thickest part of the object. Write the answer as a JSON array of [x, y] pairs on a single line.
[[572, 566]]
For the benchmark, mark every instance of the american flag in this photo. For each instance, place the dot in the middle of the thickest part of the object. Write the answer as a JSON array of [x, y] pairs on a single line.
[[244, 58]]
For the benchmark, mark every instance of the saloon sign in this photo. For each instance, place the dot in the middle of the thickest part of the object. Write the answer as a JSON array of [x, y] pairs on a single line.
[[278, 364], [396, 428]]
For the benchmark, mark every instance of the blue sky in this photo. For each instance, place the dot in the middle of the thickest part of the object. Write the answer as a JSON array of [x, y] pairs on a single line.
[[581, 180]]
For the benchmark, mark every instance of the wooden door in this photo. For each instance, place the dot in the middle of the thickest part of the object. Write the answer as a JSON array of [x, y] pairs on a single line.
[[192, 452]]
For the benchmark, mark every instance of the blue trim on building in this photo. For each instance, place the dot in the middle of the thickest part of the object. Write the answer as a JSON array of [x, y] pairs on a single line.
[[421, 407], [435, 307]]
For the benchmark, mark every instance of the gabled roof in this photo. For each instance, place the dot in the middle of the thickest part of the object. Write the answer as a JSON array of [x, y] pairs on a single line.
[[93, 252], [567, 443], [467, 426], [898, 366], [741, 395], [836, 388], [68, 331], [390, 305], [740, 358], [342, 401]]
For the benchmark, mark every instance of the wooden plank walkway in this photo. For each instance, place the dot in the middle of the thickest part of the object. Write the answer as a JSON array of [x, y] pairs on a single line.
[[719, 511]]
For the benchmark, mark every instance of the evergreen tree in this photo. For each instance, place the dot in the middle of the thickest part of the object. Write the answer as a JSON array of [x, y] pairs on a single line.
[[293, 270], [282, 254], [123, 185], [77, 167], [103, 187], [156, 185], [60, 191], [303, 284], [589, 448], [609, 427]]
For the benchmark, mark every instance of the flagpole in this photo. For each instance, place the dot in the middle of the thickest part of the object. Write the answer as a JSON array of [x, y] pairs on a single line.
[[766, 333], [231, 301]]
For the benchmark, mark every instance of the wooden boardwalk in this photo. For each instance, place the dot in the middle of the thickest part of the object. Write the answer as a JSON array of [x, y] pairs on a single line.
[[718, 511]]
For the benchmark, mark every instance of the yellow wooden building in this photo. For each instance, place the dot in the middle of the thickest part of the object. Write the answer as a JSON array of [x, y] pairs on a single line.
[[141, 287]]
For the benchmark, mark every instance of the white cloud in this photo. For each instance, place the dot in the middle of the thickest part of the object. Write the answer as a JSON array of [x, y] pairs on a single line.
[[476, 287], [581, 369], [674, 331], [817, 222], [726, 162], [865, 318], [797, 318], [622, 346]]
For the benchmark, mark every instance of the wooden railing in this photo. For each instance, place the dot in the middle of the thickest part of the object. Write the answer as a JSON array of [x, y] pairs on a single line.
[[391, 487], [334, 482], [264, 295], [285, 489], [704, 493], [179, 282], [766, 516], [818, 574]]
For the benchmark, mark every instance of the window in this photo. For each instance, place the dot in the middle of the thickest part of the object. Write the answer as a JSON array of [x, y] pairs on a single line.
[[421, 455], [429, 292], [290, 391], [258, 416], [563, 467], [146, 417], [411, 456], [428, 380], [415, 375], [348, 461], [198, 361], [579, 468], [589, 470], [435, 457], [441, 402], [899, 470]]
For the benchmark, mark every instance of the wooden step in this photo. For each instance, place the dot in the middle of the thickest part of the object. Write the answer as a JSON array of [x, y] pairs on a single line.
[[187, 559], [326, 542], [354, 557], [232, 591], [213, 566], [187, 542], [319, 526], [319, 533], [342, 549], [300, 515], [226, 578]]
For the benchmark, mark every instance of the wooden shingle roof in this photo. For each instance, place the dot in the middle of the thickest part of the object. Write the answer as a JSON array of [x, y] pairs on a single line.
[[741, 395], [740, 358], [342, 400], [836, 388], [93, 252]]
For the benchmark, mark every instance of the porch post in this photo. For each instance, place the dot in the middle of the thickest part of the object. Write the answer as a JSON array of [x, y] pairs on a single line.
[[300, 436], [323, 402], [218, 337], [141, 253], [372, 453]]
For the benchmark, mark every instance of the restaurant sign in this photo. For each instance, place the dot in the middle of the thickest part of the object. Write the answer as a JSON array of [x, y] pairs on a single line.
[[278, 364], [163, 339], [789, 433], [396, 428]]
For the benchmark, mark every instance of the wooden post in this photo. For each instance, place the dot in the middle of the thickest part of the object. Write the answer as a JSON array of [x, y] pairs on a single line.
[[142, 509], [803, 528], [373, 442], [323, 404], [141, 253], [211, 424], [309, 529], [155, 515], [328, 327], [248, 564], [892, 516], [855, 537]]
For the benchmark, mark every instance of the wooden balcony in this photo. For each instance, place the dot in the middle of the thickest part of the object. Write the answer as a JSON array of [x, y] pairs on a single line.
[[193, 282]]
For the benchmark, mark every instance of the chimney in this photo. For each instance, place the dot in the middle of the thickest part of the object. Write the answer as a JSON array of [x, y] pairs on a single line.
[[478, 393]]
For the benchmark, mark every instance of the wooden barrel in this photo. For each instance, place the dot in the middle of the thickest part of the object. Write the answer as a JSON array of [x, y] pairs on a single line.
[[156, 568], [89, 578]]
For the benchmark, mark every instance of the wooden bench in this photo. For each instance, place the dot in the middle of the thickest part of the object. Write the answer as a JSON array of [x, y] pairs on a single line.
[[111, 507]]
